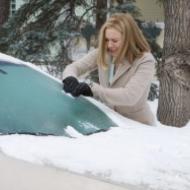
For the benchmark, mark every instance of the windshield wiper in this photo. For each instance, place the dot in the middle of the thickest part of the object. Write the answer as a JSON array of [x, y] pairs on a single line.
[[3, 72]]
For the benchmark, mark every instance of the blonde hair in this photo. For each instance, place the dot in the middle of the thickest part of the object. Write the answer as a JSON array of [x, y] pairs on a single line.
[[134, 43]]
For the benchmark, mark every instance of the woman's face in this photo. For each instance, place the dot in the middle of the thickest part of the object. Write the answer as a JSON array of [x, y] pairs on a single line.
[[113, 41]]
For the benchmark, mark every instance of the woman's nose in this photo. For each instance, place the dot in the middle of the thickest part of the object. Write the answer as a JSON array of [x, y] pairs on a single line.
[[110, 44]]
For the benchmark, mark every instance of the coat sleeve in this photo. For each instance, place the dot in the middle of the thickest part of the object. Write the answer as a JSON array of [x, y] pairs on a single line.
[[132, 92], [82, 66]]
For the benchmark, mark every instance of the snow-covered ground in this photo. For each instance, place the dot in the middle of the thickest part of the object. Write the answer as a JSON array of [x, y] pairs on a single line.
[[155, 157]]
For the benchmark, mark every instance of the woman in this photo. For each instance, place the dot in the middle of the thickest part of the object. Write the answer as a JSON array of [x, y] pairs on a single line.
[[125, 68]]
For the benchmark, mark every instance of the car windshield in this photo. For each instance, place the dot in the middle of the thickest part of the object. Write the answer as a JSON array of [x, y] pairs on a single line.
[[34, 103]]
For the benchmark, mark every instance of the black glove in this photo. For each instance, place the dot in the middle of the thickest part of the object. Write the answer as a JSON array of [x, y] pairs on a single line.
[[69, 84], [82, 89]]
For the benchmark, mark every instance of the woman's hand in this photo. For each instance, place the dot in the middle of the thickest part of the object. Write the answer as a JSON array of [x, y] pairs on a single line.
[[76, 88], [82, 89], [69, 84]]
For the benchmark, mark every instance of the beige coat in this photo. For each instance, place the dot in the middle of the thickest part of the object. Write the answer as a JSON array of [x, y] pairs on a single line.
[[128, 91]]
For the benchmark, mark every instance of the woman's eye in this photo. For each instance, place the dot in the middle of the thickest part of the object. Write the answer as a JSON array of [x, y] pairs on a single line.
[[114, 41]]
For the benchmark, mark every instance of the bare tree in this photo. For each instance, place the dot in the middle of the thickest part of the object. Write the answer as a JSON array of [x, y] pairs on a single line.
[[4, 10], [174, 71]]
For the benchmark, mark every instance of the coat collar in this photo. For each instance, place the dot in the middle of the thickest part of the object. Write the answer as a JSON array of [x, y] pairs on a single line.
[[122, 68], [125, 66]]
